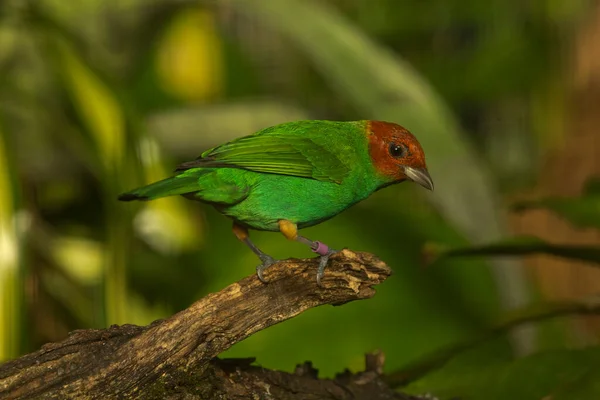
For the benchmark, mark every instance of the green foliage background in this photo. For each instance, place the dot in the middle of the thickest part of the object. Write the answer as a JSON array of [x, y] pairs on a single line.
[[97, 97]]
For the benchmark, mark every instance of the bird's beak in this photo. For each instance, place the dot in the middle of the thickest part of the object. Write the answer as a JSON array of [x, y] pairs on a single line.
[[420, 176]]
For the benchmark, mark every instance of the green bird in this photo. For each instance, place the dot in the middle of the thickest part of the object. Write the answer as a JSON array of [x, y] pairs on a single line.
[[295, 175]]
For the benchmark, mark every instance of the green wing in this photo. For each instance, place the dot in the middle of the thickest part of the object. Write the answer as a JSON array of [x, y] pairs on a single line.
[[279, 152]]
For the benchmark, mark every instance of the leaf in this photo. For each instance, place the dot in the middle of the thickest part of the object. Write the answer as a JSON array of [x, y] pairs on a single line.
[[111, 122], [189, 56], [446, 358], [99, 109], [553, 374], [10, 283], [581, 211], [524, 245], [102, 116]]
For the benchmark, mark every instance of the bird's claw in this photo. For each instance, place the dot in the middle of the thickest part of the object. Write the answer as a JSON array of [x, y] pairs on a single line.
[[319, 248], [323, 260], [267, 261]]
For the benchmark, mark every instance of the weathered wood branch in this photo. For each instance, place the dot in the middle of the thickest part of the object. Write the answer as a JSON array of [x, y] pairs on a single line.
[[175, 357]]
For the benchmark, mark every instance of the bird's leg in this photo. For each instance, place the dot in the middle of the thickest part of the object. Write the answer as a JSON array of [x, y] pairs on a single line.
[[290, 231], [242, 234]]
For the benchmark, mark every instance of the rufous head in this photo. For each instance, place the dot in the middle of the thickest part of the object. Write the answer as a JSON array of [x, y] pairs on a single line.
[[397, 154]]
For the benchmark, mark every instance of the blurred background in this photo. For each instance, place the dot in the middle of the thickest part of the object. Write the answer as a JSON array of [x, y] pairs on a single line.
[[100, 96]]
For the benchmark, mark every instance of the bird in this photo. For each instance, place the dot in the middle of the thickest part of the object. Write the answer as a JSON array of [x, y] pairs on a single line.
[[295, 175]]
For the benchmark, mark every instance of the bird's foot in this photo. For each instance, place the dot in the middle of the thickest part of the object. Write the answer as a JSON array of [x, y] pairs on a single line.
[[267, 261], [325, 252]]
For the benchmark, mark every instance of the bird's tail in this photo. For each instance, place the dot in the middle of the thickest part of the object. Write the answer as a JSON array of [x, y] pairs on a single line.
[[175, 185]]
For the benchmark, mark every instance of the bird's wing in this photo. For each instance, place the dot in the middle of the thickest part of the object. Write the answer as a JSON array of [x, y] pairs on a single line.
[[285, 154]]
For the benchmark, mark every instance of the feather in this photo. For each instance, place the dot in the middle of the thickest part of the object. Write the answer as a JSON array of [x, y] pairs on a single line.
[[279, 150]]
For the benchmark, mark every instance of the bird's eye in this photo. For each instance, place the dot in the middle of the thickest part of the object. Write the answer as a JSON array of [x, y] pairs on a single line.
[[398, 150]]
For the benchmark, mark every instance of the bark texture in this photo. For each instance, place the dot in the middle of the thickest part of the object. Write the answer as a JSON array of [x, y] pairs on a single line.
[[176, 357]]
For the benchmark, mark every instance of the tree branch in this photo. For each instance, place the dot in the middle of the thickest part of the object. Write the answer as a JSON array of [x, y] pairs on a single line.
[[143, 362]]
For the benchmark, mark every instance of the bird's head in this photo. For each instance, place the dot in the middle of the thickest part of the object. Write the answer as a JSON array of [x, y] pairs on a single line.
[[397, 154]]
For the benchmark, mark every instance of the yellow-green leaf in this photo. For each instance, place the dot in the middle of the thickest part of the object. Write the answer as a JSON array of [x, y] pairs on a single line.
[[96, 104], [189, 57], [9, 263]]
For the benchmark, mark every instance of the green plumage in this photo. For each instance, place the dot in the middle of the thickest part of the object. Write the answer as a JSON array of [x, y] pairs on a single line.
[[304, 172], [179, 184]]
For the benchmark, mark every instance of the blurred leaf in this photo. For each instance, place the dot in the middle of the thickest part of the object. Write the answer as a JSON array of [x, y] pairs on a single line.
[[102, 115], [99, 110], [189, 57], [555, 374], [10, 282], [438, 360], [112, 122], [81, 258], [523, 245], [582, 211], [8, 45]]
